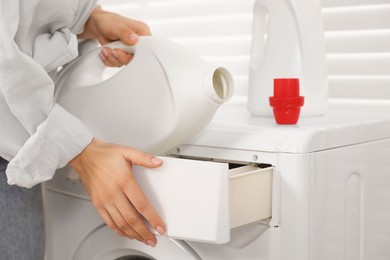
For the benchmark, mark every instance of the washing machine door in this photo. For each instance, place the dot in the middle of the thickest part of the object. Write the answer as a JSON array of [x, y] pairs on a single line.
[[104, 244]]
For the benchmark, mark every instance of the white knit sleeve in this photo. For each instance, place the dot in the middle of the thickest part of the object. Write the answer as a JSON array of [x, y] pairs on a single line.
[[57, 140]]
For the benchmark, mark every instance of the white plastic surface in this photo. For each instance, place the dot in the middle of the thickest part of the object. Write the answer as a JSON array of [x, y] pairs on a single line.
[[191, 196], [250, 194], [333, 180], [343, 124], [344, 184], [288, 42], [108, 246], [351, 203], [165, 95], [198, 200], [74, 230]]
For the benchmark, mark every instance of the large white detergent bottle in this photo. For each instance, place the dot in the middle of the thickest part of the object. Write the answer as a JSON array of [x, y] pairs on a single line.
[[165, 95], [288, 42]]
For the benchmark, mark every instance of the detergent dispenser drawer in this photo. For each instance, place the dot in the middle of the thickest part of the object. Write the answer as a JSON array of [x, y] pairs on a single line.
[[202, 200], [250, 194]]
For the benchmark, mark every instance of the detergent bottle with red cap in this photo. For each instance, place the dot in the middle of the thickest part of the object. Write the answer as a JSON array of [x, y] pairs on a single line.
[[288, 42]]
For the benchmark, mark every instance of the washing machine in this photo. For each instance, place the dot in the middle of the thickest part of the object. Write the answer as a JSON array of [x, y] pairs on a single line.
[[317, 190]]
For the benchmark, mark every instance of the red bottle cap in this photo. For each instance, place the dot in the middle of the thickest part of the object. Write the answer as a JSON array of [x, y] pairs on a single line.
[[286, 102]]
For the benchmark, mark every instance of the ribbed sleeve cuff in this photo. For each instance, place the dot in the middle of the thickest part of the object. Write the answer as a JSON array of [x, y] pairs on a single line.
[[59, 139]]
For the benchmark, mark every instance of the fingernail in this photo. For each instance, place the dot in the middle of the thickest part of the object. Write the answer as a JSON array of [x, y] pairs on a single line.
[[160, 230], [155, 160], [133, 37], [151, 243], [104, 52], [102, 57]]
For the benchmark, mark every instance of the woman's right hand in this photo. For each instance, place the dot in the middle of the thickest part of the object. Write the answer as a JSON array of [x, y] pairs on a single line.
[[108, 27], [105, 170]]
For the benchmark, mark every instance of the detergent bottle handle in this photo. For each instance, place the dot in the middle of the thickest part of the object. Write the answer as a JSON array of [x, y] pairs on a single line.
[[259, 30], [88, 69], [121, 45]]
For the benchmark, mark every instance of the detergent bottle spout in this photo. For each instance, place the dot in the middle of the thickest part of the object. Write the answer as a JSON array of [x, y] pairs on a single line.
[[288, 42]]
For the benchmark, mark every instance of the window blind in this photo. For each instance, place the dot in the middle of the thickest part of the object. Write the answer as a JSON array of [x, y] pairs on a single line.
[[357, 34], [358, 45]]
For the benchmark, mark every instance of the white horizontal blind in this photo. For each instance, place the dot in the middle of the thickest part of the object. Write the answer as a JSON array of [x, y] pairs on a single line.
[[357, 34], [358, 45], [218, 30]]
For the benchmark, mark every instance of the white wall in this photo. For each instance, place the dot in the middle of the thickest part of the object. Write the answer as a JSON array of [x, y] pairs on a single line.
[[357, 34]]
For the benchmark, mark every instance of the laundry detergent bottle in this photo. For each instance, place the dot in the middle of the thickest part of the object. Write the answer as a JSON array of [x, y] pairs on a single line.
[[288, 42], [164, 96]]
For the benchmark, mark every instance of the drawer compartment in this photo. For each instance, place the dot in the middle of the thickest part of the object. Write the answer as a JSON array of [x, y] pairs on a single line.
[[198, 200], [250, 194], [203, 200]]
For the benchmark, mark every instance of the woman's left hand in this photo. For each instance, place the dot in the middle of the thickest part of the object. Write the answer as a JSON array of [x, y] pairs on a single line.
[[107, 27]]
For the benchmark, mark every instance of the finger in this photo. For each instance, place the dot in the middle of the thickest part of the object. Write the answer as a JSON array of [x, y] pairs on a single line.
[[122, 225], [130, 35], [135, 157], [110, 223], [122, 57], [134, 220], [142, 205], [105, 52], [141, 28], [106, 56], [115, 58], [130, 39], [111, 61]]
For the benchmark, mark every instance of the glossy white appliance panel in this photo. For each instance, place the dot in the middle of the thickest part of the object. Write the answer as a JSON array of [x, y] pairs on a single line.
[[351, 203], [329, 191], [334, 204]]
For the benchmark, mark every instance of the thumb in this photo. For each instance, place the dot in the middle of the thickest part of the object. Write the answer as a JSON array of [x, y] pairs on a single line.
[[136, 157], [129, 38]]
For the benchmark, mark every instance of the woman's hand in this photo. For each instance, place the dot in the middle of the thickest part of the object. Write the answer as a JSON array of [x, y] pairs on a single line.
[[107, 27], [106, 172]]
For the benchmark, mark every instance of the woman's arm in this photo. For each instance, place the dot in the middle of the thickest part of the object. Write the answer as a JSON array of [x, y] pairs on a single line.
[[106, 169]]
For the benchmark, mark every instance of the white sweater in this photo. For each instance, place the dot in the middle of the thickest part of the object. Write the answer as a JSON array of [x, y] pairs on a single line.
[[37, 135]]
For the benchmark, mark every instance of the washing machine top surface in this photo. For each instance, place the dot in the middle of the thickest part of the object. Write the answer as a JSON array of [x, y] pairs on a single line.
[[343, 124]]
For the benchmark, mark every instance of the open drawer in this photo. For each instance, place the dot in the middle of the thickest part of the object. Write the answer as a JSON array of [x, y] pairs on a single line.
[[203, 200]]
